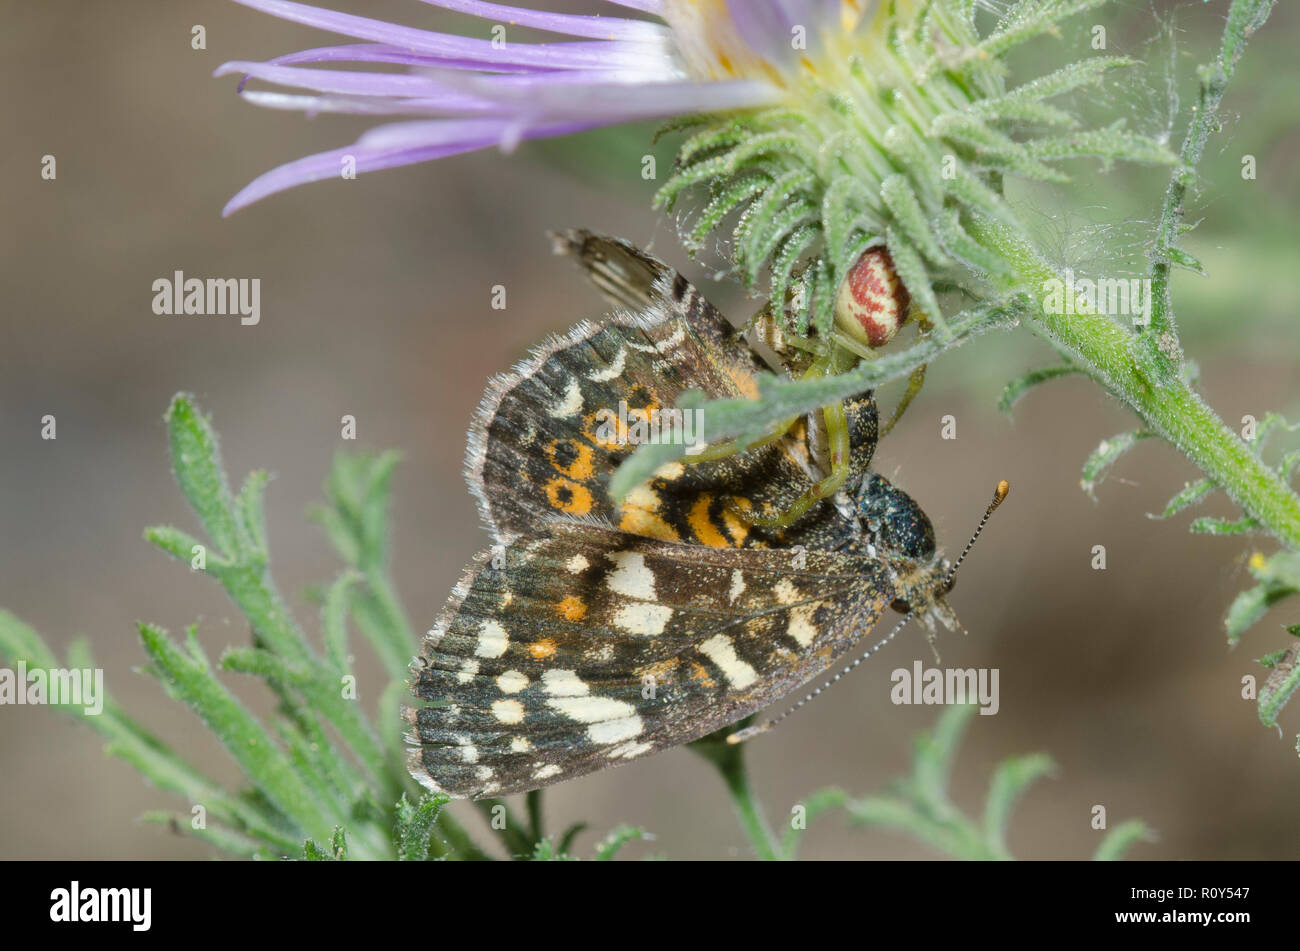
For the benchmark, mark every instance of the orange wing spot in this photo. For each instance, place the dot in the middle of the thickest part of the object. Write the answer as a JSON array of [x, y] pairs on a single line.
[[568, 496], [699, 673], [662, 672], [745, 382], [701, 525], [737, 527], [541, 650], [572, 608], [580, 468], [648, 525]]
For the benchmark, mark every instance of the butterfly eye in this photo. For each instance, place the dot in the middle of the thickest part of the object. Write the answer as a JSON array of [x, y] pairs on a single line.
[[872, 302]]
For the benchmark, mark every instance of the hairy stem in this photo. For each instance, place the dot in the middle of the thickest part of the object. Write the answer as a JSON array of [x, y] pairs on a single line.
[[1168, 406]]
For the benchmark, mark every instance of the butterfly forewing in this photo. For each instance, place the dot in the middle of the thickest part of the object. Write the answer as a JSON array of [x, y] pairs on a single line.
[[590, 646]]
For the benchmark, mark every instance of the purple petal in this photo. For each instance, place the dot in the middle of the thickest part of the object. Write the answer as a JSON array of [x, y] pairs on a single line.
[[398, 85], [438, 144], [380, 53], [580, 55], [367, 105], [594, 27], [645, 6], [607, 102]]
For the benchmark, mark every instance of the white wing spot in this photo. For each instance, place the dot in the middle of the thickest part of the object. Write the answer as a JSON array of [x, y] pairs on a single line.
[[737, 585], [577, 564], [613, 372], [520, 744], [468, 670], [631, 576], [642, 497], [492, 640], [546, 772], [722, 652], [786, 592], [570, 404], [591, 709], [629, 750], [646, 620], [615, 731], [801, 626], [508, 711], [564, 683], [512, 681]]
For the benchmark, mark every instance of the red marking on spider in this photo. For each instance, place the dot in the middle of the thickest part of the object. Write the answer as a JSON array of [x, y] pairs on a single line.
[[872, 302]]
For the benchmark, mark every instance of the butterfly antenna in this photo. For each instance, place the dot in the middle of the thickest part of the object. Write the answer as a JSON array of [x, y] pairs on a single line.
[[999, 494], [749, 732]]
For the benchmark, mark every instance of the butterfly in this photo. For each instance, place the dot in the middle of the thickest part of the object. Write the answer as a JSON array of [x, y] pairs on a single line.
[[595, 632]]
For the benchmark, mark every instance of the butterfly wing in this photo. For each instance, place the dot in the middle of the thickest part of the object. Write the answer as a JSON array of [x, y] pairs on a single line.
[[589, 647], [549, 434]]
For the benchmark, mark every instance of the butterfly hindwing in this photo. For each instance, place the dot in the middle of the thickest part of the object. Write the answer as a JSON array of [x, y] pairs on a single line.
[[589, 646], [548, 436]]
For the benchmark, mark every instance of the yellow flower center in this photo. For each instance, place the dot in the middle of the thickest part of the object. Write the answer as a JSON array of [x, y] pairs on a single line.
[[713, 48]]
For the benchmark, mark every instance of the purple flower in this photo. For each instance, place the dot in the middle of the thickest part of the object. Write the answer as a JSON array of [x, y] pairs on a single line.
[[461, 93]]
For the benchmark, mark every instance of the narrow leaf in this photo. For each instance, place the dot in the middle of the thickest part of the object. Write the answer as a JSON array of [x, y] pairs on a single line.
[[1017, 388]]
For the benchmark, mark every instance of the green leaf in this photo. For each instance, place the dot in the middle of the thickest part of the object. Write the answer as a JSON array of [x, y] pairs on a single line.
[[935, 751], [1105, 455], [893, 812], [545, 851], [1219, 526], [1029, 20], [1121, 838], [1189, 495], [1280, 686], [196, 459], [821, 801], [1066, 79], [1010, 780], [334, 619], [1017, 388], [1251, 605], [187, 679], [571, 833], [620, 836], [1183, 259], [414, 825], [1108, 144], [220, 837]]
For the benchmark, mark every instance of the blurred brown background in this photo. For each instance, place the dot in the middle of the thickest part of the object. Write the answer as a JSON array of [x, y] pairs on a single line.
[[375, 302]]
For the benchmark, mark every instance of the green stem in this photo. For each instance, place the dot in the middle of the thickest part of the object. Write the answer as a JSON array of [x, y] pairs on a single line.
[[1245, 17], [729, 759], [1164, 401], [748, 811]]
